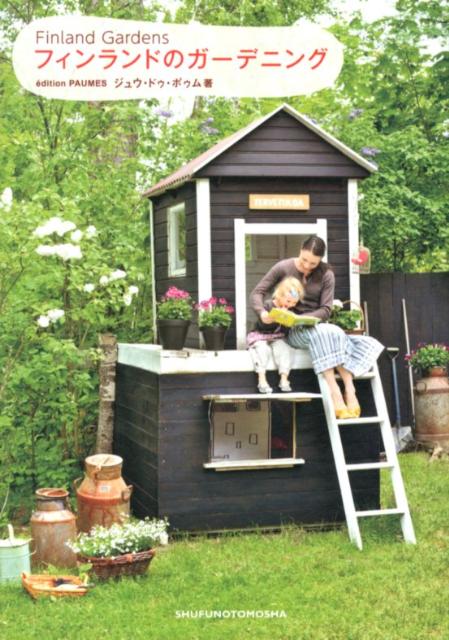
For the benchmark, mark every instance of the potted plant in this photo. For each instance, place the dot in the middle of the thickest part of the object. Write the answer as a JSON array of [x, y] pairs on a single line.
[[214, 319], [122, 549], [431, 393], [429, 360], [174, 312], [350, 320]]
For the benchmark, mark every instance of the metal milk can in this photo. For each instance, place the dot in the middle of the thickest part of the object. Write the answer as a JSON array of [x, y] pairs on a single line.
[[432, 408], [14, 557], [103, 496], [52, 524]]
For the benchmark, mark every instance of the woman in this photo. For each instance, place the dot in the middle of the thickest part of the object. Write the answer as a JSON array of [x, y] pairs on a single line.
[[330, 348]]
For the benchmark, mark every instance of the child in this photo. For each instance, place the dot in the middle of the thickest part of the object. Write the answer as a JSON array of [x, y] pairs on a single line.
[[268, 338]]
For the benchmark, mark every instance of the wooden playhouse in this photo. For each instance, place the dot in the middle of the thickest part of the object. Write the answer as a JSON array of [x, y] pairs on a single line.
[[198, 444]]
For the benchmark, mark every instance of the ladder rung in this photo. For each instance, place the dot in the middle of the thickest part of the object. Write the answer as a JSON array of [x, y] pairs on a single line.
[[369, 465], [380, 512], [370, 420]]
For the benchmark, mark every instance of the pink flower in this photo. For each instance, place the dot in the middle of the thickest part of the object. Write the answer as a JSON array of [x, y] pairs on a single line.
[[213, 301], [229, 309], [176, 294], [222, 301]]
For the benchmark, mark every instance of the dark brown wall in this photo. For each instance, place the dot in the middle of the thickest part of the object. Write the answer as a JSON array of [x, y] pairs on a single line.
[[197, 499], [187, 194], [282, 156], [427, 302], [136, 434], [282, 146], [229, 200]]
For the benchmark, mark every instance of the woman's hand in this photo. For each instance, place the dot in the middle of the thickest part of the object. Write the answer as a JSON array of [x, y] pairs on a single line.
[[265, 318]]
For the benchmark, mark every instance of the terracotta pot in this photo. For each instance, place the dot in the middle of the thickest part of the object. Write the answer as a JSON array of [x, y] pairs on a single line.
[[214, 338], [436, 372], [173, 333]]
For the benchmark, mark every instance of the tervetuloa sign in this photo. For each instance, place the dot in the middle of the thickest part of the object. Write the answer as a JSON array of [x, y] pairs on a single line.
[[281, 201]]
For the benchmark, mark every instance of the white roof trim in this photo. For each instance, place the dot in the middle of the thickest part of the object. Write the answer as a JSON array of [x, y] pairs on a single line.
[[347, 151]]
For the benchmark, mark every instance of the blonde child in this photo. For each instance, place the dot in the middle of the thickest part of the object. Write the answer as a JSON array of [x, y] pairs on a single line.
[[269, 339]]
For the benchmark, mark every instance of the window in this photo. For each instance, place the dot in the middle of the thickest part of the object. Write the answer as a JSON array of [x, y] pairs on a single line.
[[248, 433], [177, 240]]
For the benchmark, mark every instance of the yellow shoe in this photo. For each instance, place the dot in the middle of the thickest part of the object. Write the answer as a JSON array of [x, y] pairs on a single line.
[[343, 414], [355, 411]]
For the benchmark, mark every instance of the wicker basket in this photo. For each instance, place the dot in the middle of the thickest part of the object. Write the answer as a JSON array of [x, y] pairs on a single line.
[[39, 585], [129, 564]]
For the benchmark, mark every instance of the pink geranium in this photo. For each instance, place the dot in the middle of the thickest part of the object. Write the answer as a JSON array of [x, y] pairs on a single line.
[[214, 312]]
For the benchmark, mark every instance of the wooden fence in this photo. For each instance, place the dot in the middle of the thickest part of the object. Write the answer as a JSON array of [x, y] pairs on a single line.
[[427, 302]]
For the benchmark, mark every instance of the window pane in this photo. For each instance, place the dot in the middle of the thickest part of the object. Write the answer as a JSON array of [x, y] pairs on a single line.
[[181, 239]]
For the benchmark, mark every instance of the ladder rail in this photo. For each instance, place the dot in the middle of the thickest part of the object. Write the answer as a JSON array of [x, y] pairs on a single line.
[[392, 463], [340, 465], [391, 456]]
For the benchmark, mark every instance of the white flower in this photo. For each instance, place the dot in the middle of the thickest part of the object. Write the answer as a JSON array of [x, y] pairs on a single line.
[[163, 538], [68, 251], [54, 225], [127, 299], [104, 280], [338, 303], [91, 231], [43, 321], [76, 235], [45, 250], [6, 198], [64, 227], [117, 274], [88, 287], [133, 290], [55, 314], [48, 228]]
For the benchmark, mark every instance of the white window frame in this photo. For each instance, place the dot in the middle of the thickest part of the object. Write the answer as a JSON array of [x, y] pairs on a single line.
[[353, 229], [243, 229], [174, 267]]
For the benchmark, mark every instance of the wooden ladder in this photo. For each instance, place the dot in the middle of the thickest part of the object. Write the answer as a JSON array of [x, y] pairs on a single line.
[[392, 463]]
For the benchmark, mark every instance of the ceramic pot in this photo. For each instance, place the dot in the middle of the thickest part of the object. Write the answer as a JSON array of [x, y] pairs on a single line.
[[432, 408], [173, 333], [214, 338]]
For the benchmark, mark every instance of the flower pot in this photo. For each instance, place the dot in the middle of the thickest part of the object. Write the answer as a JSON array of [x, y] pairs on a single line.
[[173, 333], [129, 564], [214, 337], [436, 372]]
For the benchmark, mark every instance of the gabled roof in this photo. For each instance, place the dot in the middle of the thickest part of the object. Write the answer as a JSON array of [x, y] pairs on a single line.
[[188, 171]]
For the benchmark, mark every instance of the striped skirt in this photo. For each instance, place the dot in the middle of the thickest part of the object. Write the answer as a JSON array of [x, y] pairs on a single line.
[[331, 347]]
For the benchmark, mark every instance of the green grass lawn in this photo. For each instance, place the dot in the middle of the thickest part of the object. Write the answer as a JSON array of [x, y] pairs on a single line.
[[321, 585]]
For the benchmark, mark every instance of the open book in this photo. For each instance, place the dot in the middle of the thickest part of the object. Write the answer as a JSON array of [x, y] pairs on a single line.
[[289, 319]]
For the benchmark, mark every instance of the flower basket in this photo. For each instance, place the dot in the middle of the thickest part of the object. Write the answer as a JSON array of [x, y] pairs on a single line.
[[129, 564]]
